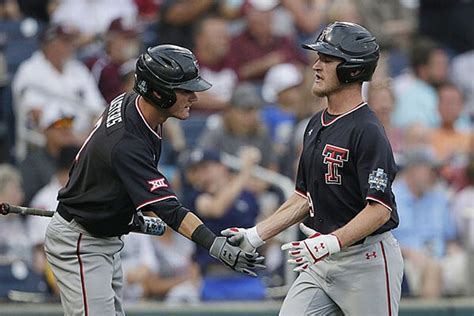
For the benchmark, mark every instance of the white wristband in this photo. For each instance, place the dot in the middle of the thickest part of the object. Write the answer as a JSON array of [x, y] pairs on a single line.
[[254, 238]]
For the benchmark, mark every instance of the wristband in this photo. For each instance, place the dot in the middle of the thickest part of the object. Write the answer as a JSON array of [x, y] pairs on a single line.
[[203, 236], [254, 238]]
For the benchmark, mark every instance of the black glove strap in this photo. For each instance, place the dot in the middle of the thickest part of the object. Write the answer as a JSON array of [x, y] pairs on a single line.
[[203, 236]]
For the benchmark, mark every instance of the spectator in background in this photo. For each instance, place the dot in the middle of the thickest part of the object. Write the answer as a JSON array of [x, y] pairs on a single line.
[[257, 49], [15, 244], [212, 43], [282, 92], [447, 141], [138, 263], [463, 208], [381, 99], [46, 198], [222, 199], [416, 95], [52, 79], [426, 228], [462, 70], [179, 17], [175, 279], [457, 33], [40, 165], [40, 10], [308, 16], [121, 45], [92, 19], [239, 126]]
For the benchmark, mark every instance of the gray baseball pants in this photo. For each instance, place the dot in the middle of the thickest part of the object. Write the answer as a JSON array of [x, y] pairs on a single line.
[[87, 268], [361, 280]]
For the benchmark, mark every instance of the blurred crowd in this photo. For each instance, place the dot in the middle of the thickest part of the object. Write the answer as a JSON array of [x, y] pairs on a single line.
[[61, 61]]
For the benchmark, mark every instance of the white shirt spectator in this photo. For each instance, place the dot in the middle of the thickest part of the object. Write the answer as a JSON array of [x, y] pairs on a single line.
[[37, 84], [137, 254], [46, 198], [93, 16]]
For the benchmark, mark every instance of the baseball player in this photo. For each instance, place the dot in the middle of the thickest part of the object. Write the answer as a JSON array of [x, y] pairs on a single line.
[[350, 263], [114, 178]]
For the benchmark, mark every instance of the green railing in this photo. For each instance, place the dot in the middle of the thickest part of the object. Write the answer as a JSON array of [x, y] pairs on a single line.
[[445, 307]]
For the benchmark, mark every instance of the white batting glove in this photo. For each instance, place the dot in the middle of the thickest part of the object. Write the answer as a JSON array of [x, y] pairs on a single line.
[[311, 250], [247, 239]]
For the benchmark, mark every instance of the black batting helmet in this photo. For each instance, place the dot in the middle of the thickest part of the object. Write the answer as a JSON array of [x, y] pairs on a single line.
[[164, 68], [352, 43]]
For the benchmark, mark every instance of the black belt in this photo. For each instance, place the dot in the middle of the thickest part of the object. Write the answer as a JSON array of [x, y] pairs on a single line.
[[65, 214], [359, 242]]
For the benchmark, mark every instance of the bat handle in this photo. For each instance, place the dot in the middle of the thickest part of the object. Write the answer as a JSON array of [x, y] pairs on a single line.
[[4, 208]]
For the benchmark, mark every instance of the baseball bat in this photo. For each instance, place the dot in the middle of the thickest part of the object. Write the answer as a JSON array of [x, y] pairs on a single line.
[[150, 226]]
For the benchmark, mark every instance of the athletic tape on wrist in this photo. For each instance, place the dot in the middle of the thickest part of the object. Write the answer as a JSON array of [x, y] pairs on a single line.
[[254, 238]]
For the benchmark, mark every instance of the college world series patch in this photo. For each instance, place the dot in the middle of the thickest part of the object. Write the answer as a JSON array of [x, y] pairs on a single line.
[[378, 180]]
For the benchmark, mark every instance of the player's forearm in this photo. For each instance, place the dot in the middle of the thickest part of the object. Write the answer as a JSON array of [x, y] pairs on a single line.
[[372, 217], [193, 228], [294, 210]]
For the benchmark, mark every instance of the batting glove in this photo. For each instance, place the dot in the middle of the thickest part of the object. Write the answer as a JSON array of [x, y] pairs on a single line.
[[235, 258], [246, 239], [311, 250]]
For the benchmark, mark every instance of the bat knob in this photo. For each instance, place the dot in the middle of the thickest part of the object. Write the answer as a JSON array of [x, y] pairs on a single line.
[[4, 208]]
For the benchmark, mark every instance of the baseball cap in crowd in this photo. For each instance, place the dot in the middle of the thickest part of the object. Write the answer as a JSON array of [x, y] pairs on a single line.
[[123, 26], [54, 117], [203, 155], [56, 30], [279, 78], [246, 96]]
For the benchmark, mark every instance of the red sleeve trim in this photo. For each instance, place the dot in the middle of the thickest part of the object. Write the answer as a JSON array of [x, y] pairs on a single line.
[[301, 194], [157, 200], [378, 201]]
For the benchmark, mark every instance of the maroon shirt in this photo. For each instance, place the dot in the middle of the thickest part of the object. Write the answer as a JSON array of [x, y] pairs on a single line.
[[245, 49], [108, 77]]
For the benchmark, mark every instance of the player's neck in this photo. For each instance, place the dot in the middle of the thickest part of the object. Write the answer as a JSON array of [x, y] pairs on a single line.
[[344, 100], [151, 115]]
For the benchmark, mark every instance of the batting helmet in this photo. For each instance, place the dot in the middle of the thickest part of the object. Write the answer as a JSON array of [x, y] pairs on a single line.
[[164, 68], [352, 43]]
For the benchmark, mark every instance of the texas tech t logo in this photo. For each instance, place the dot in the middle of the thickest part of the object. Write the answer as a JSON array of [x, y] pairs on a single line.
[[334, 157]]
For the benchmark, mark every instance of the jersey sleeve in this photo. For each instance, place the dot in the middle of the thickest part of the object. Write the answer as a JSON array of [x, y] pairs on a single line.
[[300, 187], [134, 163], [376, 166]]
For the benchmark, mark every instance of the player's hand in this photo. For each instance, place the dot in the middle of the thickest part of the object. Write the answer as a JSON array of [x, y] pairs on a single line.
[[235, 258], [238, 237], [311, 250]]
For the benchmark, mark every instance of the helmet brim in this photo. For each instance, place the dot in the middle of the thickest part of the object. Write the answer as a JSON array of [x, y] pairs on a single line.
[[197, 84], [324, 48]]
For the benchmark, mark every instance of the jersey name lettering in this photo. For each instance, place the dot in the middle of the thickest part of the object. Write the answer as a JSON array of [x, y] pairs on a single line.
[[114, 114], [334, 157], [157, 183]]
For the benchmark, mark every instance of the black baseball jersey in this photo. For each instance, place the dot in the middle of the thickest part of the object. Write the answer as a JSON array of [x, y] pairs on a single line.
[[346, 162], [116, 172]]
